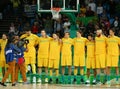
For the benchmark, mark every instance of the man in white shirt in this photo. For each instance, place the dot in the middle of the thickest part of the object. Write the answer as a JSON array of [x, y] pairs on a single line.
[[92, 5], [99, 9], [66, 26]]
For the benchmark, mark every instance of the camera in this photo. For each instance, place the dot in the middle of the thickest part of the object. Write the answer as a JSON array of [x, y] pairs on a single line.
[[23, 42]]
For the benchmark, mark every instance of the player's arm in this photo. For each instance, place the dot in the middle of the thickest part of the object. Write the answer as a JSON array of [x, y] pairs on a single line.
[[118, 41], [61, 44], [74, 39], [23, 36], [36, 40], [86, 41]]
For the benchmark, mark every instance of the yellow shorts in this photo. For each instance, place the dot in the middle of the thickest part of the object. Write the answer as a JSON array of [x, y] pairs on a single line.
[[30, 60], [90, 62], [66, 60], [54, 63], [112, 60], [79, 60], [100, 61], [43, 62], [3, 64]]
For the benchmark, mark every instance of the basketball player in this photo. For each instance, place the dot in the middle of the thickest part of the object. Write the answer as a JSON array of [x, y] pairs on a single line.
[[100, 53], [79, 54], [113, 43], [43, 54], [54, 55], [66, 60]]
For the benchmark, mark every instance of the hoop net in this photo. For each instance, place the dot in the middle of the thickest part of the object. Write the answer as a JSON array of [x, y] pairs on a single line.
[[55, 13]]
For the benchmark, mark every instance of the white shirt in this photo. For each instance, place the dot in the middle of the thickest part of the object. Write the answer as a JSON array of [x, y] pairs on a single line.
[[115, 23], [93, 6], [99, 10], [66, 25]]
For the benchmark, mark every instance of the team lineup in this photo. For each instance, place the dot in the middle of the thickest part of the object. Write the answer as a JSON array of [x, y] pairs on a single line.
[[99, 53]]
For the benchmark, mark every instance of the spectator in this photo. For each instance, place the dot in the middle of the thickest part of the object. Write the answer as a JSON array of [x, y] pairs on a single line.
[[48, 25], [58, 27], [107, 23], [12, 29], [83, 11], [92, 5], [16, 4], [35, 28], [104, 15], [66, 25], [89, 12], [99, 10], [116, 24]]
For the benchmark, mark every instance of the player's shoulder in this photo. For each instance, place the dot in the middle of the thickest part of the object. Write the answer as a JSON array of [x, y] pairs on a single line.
[[84, 38], [71, 38], [116, 37], [74, 38], [103, 36], [34, 35], [23, 36], [63, 39], [49, 38]]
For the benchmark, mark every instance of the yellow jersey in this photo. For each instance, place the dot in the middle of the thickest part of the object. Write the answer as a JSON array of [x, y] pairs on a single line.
[[43, 50], [54, 49], [2, 51], [33, 41], [100, 45], [79, 46], [66, 46], [113, 45], [90, 49]]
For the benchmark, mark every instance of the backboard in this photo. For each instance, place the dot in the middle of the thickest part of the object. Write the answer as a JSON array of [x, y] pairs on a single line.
[[65, 5]]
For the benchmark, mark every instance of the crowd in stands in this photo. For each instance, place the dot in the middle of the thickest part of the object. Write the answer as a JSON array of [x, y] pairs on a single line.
[[105, 10]]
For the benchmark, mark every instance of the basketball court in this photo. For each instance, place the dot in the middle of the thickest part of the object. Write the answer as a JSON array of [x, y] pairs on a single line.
[[57, 86], [57, 7]]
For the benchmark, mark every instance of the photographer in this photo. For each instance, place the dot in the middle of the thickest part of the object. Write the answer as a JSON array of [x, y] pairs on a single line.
[[11, 51], [20, 65]]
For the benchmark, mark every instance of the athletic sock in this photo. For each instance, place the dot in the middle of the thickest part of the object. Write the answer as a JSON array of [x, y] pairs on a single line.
[[33, 68], [51, 72], [75, 71], [108, 77], [117, 77], [57, 73], [82, 71], [69, 77], [98, 77]]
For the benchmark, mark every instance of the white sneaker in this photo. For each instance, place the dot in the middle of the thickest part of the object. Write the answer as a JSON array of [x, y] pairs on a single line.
[[39, 80], [94, 81], [108, 83], [87, 82], [29, 68], [99, 83], [34, 79], [46, 80]]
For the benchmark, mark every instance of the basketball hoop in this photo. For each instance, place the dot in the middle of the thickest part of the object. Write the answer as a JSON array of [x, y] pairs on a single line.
[[55, 13]]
